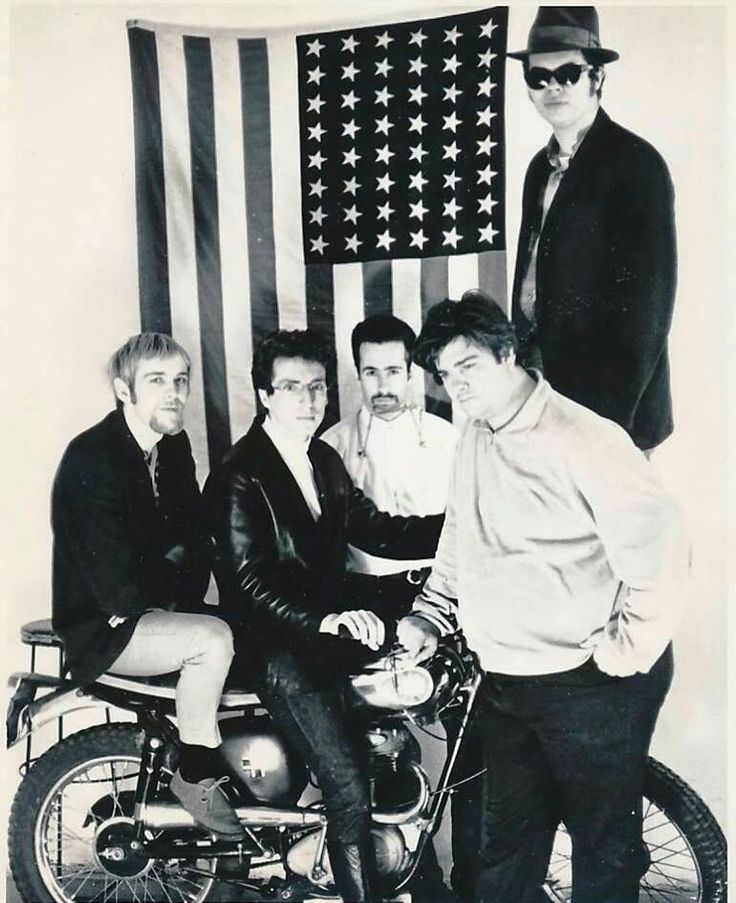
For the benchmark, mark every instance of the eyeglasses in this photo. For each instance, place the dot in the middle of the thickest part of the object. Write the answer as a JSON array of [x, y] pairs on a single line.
[[317, 389], [567, 74]]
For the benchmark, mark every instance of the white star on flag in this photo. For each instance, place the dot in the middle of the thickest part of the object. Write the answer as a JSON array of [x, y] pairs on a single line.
[[350, 99], [352, 185], [484, 59], [418, 210], [385, 183], [418, 38], [416, 66], [319, 244], [350, 71], [383, 125], [314, 104], [486, 31], [317, 159], [315, 47], [352, 214], [487, 233], [450, 151], [383, 40], [317, 216], [383, 154], [316, 132], [485, 175], [383, 96], [452, 35], [317, 188], [349, 44], [486, 204], [385, 240], [350, 128], [417, 181], [350, 158], [451, 93], [385, 211], [485, 116], [315, 75], [382, 67], [418, 239], [416, 95], [486, 86], [352, 242], [451, 180], [416, 124], [451, 64], [451, 122], [417, 153], [484, 146], [451, 208], [452, 237]]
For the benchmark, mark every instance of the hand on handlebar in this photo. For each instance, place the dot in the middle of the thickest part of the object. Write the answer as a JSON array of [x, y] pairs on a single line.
[[418, 637], [363, 626]]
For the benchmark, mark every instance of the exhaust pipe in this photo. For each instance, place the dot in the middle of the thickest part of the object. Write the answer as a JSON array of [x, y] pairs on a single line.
[[162, 816]]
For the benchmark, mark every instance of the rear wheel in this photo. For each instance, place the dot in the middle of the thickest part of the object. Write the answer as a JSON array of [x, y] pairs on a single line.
[[71, 837], [686, 846]]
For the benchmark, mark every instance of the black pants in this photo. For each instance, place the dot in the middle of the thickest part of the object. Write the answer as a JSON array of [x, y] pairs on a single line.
[[570, 747]]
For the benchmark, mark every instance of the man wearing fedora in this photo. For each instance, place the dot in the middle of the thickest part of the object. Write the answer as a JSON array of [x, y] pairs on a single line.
[[596, 264]]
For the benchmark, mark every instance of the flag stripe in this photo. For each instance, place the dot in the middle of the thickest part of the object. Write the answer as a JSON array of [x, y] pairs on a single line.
[[348, 282], [492, 276], [258, 186], [408, 307], [153, 274], [321, 316], [377, 287], [434, 288], [200, 100]]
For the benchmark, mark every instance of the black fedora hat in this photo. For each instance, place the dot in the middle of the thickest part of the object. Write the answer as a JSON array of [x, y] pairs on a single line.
[[566, 28]]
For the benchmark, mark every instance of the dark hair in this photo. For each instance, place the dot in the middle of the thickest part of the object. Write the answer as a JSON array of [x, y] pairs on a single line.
[[381, 328], [476, 317], [591, 58], [304, 343], [146, 345]]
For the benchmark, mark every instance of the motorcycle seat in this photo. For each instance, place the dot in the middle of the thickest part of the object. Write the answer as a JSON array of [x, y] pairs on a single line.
[[163, 686], [40, 633]]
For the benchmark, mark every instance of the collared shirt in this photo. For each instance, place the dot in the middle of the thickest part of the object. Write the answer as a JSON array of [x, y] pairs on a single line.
[[142, 437], [559, 163], [294, 453], [558, 542], [403, 465]]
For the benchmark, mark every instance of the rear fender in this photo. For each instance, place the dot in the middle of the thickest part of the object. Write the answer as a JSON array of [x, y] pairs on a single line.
[[26, 713]]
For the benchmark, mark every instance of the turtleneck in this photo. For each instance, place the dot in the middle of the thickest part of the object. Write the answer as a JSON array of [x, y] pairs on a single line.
[[293, 450]]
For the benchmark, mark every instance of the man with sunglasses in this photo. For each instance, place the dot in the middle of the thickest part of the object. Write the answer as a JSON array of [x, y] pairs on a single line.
[[596, 265]]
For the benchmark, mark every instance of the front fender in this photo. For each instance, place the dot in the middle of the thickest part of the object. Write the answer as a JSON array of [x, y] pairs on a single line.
[[26, 713]]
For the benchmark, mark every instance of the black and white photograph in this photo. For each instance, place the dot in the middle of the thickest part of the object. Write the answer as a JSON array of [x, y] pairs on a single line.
[[369, 466]]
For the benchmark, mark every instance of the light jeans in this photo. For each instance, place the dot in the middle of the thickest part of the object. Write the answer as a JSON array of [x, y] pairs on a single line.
[[198, 646]]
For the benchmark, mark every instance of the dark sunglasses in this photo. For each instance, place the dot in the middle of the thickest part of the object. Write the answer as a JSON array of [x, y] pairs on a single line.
[[567, 74]]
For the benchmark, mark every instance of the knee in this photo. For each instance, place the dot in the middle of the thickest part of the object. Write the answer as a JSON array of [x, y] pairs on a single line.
[[217, 638]]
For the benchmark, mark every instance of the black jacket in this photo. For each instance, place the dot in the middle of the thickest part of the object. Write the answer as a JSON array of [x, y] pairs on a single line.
[[606, 273], [279, 572], [112, 537]]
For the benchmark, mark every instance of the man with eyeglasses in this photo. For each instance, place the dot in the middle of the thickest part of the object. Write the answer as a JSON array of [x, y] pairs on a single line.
[[596, 266], [282, 509]]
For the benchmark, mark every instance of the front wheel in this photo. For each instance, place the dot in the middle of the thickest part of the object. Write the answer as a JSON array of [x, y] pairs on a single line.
[[71, 827], [686, 846]]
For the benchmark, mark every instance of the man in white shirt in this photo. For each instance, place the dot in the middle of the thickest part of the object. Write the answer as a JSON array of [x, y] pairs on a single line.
[[562, 559]]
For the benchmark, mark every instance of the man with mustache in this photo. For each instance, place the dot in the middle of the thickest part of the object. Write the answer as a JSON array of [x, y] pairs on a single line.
[[131, 561]]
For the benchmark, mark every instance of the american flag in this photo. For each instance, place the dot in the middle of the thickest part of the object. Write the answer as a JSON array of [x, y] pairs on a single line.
[[290, 180]]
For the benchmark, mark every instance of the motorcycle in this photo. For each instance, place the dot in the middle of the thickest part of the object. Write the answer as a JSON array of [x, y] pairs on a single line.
[[93, 819]]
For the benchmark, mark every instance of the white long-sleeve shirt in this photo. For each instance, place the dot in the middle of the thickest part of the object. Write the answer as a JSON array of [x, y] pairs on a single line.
[[558, 540], [403, 465]]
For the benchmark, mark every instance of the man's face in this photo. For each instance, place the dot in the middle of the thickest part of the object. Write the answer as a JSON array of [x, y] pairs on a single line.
[[564, 106], [384, 377], [297, 404], [159, 394], [474, 379]]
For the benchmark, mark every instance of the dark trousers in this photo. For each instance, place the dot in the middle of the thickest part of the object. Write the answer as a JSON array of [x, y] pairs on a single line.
[[568, 747]]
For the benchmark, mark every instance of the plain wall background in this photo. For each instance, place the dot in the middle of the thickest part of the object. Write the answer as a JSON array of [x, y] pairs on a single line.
[[73, 281]]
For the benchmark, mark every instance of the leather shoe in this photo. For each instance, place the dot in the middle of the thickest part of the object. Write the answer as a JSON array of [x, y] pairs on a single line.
[[207, 803]]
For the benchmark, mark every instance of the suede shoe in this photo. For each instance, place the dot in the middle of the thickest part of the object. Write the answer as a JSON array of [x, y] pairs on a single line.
[[207, 803]]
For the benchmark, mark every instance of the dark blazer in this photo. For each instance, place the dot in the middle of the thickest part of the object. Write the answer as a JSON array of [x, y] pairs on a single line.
[[112, 539], [279, 572], [606, 273]]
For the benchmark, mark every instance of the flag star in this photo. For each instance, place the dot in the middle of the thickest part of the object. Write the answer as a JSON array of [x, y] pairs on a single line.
[[316, 216], [352, 242], [349, 44], [484, 59], [319, 244], [418, 239], [451, 93], [314, 104], [486, 86], [486, 204], [452, 35], [316, 159], [451, 64], [385, 240], [384, 183], [451, 208], [350, 158], [317, 188], [350, 99], [385, 211], [352, 185], [350, 128], [484, 116], [417, 181], [382, 67], [383, 125], [485, 175], [418, 210], [416, 95], [316, 132], [383, 96], [352, 214], [486, 31], [451, 180], [485, 145], [383, 154], [418, 38], [487, 233], [315, 47], [417, 153], [451, 122], [450, 151], [315, 75], [452, 237], [416, 124], [416, 66], [383, 40], [350, 71]]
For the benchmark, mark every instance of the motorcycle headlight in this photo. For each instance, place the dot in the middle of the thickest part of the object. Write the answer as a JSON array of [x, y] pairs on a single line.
[[394, 689]]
